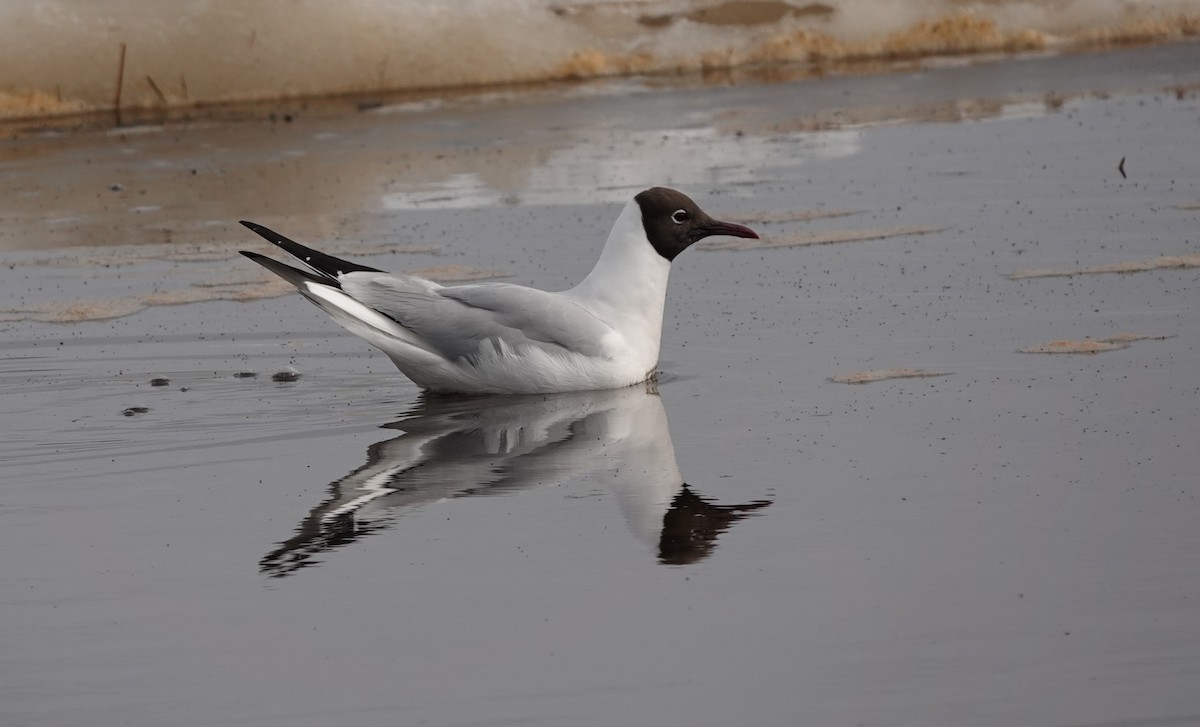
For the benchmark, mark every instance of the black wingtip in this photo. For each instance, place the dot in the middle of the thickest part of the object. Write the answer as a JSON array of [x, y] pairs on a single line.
[[266, 232], [327, 265], [256, 257], [295, 276]]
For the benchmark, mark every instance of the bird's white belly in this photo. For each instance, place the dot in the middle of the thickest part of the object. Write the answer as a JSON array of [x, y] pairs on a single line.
[[498, 368]]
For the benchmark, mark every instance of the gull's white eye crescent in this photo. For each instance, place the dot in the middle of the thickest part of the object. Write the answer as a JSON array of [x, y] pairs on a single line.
[[678, 216]]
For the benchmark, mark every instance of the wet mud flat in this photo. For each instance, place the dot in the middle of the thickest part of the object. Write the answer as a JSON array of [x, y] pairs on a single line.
[[752, 540]]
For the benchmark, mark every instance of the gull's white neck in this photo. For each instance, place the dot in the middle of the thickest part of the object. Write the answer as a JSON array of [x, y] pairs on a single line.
[[628, 286]]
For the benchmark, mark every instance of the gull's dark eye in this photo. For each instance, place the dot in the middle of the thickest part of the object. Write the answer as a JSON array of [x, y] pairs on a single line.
[[678, 216]]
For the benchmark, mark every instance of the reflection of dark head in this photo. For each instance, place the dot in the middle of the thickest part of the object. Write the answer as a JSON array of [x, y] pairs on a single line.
[[691, 526]]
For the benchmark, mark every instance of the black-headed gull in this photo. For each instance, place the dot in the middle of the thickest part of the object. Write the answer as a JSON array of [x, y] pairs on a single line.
[[500, 338]]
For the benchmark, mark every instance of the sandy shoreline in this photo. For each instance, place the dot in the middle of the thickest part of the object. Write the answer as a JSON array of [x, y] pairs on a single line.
[[1010, 541]]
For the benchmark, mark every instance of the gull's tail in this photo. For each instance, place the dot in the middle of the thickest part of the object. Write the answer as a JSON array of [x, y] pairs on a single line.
[[323, 288]]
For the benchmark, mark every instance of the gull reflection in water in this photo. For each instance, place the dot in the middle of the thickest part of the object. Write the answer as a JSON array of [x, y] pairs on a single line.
[[493, 445]]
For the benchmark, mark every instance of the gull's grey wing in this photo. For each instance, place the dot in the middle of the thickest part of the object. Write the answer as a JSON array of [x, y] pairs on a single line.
[[455, 320]]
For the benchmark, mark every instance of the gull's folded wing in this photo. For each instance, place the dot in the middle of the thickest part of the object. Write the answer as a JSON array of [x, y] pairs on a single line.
[[456, 320]]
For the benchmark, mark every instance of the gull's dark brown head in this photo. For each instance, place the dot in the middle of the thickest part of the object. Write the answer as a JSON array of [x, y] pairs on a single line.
[[673, 222]]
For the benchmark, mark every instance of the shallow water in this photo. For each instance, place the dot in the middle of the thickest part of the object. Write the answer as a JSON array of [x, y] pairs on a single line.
[[1011, 543]]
